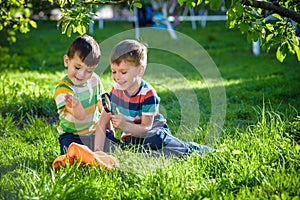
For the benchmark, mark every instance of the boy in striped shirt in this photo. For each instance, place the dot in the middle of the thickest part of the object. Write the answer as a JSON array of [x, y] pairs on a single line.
[[135, 106], [78, 93]]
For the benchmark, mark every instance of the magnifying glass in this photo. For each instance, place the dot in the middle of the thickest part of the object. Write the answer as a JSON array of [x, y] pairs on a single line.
[[106, 102]]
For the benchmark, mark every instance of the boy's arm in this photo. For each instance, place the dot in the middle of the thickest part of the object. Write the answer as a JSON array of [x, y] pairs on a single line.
[[100, 134], [137, 130], [74, 107]]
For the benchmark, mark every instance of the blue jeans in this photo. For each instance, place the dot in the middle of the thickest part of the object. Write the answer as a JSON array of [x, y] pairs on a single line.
[[154, 140], [66, 139], [162, 141]]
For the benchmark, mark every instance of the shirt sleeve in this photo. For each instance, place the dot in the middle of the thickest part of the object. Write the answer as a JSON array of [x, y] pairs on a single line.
[[151, 103], [59, 95]]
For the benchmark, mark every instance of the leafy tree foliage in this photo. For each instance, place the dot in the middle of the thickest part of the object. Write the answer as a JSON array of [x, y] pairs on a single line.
[[250, 16], [15, 16]]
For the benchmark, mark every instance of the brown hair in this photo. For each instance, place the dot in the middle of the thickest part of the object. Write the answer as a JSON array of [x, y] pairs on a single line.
[[129, 51], [87, 49]]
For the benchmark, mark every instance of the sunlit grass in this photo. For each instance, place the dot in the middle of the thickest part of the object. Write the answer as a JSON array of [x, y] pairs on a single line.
[[257, 162]]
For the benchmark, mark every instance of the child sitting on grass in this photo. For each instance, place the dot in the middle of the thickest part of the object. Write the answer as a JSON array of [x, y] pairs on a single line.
[[135, 106], [78, 93]]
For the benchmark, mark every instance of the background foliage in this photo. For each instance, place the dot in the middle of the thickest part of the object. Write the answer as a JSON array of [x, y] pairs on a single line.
[[248, 15]]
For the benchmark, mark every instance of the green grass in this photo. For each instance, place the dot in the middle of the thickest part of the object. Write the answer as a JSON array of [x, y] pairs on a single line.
[[258, 158]]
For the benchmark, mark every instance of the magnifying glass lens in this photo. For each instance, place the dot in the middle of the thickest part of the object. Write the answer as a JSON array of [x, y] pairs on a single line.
[[106, 102]]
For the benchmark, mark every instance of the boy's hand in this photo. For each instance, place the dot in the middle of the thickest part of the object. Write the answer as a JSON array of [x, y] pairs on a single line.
[[74, 106], [71, 101], [118, 121]]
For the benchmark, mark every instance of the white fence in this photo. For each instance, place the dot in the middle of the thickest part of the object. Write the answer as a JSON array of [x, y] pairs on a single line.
[[106, 14]]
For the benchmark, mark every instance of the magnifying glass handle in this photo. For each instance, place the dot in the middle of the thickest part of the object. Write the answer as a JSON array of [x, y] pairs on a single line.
[[117, 111]]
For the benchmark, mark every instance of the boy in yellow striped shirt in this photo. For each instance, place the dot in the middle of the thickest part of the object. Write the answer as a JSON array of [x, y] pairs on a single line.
[[78, 94]]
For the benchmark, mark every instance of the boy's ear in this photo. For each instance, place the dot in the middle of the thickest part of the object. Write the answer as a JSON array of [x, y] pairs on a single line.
[[66, 60], [141, 70]]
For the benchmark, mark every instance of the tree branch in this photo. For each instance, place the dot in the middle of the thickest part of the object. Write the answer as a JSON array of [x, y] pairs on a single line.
[[276, 9], [104, 2]]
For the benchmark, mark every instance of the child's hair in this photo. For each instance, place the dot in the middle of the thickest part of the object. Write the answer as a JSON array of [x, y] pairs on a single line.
[[130, 51], [87, 49]]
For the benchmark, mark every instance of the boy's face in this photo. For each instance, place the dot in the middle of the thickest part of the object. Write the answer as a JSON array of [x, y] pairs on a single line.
[[127, 76], [78, 72]]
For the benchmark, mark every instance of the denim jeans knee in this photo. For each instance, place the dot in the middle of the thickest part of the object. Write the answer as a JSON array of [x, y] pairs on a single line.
[[155, 138]]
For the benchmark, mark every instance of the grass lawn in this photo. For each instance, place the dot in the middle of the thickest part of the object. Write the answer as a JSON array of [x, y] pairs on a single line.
[[258, 157]]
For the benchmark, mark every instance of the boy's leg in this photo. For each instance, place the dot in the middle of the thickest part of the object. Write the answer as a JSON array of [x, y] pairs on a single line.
[[164, 142], [109, 145], [88, 140], [179, 148], [111, 136], [111, 142], [66, 139], [155, 138], [200, 149], [173, 146]]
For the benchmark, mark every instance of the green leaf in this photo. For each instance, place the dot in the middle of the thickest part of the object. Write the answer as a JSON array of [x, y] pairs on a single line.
[[290, 47], [277, 16], [252, 36], [244, 28], [249, 37], [15, 27], [181, 2], [70, 29], [65, 25], [280, 55], [297, 50], [239, 9], [29, 5], [199, 2], [12, 39], [33, 23], [138, 4], [231, 24], [62, 3], [269, 37], [27, 12], [231, 19], [59, 22], [270, 27], [81, 29], [228, 3], [24, 28], [215, 4]]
